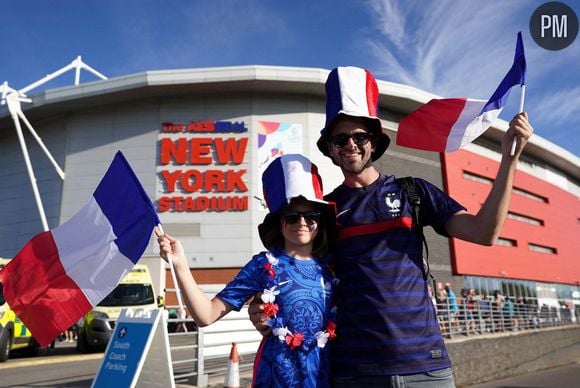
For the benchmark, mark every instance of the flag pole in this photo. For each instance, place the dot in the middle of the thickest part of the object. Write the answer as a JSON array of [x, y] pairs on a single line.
[[174, 278], [522, 98]]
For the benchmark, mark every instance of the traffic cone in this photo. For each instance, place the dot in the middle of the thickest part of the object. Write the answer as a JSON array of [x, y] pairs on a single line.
[[232, 379]]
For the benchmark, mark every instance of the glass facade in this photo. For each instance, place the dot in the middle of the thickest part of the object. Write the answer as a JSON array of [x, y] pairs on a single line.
[[522, 288]]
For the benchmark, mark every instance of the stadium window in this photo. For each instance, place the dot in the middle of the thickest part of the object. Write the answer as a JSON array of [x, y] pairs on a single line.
[[522, 218], [530, 195], [477, 178], [487, 181], [542, 249], [506, 242]]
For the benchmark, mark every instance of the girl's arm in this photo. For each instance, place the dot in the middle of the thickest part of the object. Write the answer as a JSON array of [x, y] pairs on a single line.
[[203, 309]]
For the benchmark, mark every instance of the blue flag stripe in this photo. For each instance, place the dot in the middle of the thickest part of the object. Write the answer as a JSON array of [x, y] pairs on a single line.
[[515, 76], [128, 208]]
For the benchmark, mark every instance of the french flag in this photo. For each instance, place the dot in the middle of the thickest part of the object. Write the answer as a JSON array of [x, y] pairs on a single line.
[[444, 125], [62, 273]]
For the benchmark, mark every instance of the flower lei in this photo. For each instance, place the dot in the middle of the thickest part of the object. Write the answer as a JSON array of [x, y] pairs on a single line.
[[293, 340]]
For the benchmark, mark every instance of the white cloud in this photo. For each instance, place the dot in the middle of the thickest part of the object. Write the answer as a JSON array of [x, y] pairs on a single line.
[[464, 49], [452, 48], [561, 109]]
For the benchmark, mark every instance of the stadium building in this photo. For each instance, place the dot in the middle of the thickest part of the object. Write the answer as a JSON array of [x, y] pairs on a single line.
[[199, 139]]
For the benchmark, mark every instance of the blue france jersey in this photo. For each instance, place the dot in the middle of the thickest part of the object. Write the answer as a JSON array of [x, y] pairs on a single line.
[[386, 322], [304, 302]]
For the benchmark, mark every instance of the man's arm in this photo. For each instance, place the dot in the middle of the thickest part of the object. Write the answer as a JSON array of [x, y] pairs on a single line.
[[484, 227]]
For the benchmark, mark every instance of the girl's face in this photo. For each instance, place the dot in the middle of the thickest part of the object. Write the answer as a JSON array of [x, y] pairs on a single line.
[[300, 222]]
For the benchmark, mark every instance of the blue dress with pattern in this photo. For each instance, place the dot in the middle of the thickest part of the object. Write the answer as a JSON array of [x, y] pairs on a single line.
[[304, 302]]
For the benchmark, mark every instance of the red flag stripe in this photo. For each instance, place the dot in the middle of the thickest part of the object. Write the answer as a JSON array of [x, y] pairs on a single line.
[[43, 282], [428, 127]]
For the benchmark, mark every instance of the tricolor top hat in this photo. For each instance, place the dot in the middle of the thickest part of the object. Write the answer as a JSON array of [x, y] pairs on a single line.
[[352, 91], [287, 177]]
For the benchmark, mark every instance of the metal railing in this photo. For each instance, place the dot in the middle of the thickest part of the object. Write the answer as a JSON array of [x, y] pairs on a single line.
[[478, 317], [199, 353]]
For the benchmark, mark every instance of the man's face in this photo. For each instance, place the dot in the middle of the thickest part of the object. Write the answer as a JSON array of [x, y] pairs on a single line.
[[351, 145]]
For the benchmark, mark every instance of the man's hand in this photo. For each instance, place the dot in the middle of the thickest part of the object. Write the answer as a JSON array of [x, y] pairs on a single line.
[[519, 129], [256, 313]]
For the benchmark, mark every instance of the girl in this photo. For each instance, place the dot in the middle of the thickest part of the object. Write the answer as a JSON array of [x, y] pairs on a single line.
[[291, 275]]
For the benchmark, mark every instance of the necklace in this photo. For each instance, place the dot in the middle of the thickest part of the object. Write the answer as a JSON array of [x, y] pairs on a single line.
[[279, 329]]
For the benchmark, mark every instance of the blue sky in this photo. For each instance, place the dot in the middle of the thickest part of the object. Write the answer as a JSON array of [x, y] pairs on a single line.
[[453, 48]]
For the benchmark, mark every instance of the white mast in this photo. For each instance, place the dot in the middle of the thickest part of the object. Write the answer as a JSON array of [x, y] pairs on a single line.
[[13, 99]]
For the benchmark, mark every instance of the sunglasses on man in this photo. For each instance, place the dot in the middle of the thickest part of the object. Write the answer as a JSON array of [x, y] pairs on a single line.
[[359, 138], [292, 217]]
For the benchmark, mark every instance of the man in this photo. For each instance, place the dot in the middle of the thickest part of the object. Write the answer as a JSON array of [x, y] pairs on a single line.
[[387, 328]]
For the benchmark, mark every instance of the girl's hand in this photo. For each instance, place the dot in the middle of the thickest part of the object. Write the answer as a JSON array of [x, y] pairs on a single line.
[[170, 248]]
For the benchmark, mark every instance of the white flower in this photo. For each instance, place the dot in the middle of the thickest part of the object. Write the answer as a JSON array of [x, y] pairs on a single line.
[[269, 295], [273, 260], [281, 333], [321, 338]]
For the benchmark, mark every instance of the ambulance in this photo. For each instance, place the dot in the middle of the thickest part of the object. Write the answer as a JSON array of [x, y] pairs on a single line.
[[135, 290], [13, 334]]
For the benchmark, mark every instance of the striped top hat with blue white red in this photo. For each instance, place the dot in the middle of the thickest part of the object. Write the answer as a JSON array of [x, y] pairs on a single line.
[[352, 91], [288, 177], [291, 176]]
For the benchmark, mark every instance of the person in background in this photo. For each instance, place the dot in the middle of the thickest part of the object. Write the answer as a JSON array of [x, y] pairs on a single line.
[[472, 310], [484, 313], [510, 321], [387, 329], [441, 309], [292, 276], [453, 309], [70, 334], [497, 307]]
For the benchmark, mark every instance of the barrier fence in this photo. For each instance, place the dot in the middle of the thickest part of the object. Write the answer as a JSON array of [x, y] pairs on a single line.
[[472, 317], [199, 353]]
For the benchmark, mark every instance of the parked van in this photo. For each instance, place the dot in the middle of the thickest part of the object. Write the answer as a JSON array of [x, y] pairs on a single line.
[[134, 290], [13, 334]]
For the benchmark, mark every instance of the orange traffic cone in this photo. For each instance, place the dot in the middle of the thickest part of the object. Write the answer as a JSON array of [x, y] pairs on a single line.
[[232, 379]]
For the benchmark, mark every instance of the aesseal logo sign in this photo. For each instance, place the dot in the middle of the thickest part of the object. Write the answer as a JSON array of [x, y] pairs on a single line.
[[554, 26]]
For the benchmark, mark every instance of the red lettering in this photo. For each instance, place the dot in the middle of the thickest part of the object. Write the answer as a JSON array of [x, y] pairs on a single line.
[[186, 180], [201, 126], [227, 151], [176, 203], [203, 203], [172, 151], [170, 179], [170, 127], [164, 204], [234, 179], [240, 203], [214, 178], [189, 204], [230, 150], [199, 147], [193, 180]]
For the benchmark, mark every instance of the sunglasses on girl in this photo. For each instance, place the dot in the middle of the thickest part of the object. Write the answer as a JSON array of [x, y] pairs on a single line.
[[292, 216], [360, 139]]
